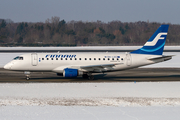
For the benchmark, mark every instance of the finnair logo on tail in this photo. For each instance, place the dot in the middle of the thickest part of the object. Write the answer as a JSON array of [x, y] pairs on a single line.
[[158, 37]]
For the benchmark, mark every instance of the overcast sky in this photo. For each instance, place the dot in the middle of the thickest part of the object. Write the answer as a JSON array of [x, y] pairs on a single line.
[[167, 11]]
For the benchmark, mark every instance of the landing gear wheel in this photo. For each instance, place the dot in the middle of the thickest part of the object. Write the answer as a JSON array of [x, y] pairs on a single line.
[[27, 77], [85, 76], [91, 77], [27, 73]]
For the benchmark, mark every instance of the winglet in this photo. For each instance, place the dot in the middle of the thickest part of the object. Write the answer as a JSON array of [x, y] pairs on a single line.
[[155, 45]]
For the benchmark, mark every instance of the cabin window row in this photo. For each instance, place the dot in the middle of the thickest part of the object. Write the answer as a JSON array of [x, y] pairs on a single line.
[[81, 59]]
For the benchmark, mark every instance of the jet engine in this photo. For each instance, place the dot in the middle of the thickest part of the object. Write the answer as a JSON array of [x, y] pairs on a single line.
[[69, 72]]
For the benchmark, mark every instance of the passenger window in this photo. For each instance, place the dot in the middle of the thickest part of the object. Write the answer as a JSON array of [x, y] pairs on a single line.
[[75, 59], [117, 59], [94, 58], [51, 58], [112, 58], [85, 58], [79, 58], [108, 59], [61, 58], [42, 58], [99, 58], [47, 58], [65, 58], [70, 58], [121, 58], [56, 58], [103, 58], [89, 58]]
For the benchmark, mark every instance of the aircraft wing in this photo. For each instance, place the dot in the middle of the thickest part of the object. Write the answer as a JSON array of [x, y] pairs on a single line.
[[89, 68], [97, 68]]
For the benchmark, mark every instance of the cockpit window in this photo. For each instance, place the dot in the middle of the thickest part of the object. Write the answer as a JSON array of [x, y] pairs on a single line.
[[18, 58]]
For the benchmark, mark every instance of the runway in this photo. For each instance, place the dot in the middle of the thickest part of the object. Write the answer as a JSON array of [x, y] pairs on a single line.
[[133, 75]]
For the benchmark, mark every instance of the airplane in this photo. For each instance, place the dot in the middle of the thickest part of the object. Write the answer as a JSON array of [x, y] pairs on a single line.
[[85, 64]]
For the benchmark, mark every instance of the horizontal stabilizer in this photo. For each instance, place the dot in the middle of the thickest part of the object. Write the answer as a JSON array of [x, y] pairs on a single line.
[[162, 57]]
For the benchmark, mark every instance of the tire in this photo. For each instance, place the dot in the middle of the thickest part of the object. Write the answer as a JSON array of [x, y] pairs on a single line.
[[85, 76], [91, 77], [27, 78]]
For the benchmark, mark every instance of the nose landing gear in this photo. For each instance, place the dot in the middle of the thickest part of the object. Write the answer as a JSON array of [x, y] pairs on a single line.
[[27, 77], [27, 73]]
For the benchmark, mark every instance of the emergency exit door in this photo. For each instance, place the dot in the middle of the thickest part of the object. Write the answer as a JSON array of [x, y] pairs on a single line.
[[128, 59], [34, 59]]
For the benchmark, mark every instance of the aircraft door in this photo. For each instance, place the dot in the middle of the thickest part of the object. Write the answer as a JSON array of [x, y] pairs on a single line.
[[34, 59], [128, 59]]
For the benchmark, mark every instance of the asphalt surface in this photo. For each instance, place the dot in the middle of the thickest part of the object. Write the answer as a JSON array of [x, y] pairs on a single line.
[[133, 75]]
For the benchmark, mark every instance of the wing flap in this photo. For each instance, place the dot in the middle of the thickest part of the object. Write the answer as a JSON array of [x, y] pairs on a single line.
[[99, 68]]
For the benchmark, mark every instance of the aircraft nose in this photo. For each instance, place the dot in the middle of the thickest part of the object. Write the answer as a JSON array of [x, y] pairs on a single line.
[[7, 66]]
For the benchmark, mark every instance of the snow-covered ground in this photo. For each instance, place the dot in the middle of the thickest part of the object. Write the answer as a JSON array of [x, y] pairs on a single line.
[[91, 94], [85, 48], [76, 48], [173, 63], [88, 113], [91, 90], [89, 101]]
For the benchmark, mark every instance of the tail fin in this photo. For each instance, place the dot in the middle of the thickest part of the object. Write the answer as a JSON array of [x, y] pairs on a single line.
[[155, 45]]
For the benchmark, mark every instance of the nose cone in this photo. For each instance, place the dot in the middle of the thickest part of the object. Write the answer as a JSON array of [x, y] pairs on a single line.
[[7, 66]]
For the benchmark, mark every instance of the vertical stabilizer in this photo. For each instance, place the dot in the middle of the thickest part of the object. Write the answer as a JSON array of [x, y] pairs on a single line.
[[155, 45]]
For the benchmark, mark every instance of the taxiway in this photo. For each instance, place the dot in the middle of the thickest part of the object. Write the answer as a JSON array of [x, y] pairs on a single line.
[[133, 75]]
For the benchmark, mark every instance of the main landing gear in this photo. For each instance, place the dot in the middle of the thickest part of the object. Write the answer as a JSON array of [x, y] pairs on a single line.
[[88, 76]]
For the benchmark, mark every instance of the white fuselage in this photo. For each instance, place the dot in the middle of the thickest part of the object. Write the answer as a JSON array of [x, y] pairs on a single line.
[[57, 62]]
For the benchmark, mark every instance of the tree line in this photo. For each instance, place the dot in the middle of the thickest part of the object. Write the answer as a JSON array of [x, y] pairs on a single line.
[[56, 32]]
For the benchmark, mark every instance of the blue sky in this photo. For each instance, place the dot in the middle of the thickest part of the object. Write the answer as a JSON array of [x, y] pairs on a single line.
[[91, 10]]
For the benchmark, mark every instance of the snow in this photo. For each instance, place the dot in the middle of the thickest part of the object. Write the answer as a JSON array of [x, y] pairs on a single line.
[[89, 101], [88, 113], [91, 94], [85, 48]]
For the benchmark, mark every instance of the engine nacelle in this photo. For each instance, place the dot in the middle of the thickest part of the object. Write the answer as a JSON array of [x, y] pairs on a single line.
[[69, 72]]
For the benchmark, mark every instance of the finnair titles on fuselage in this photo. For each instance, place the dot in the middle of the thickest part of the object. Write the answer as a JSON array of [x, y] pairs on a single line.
[[60, 56], [84, 64], [71, 56]]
